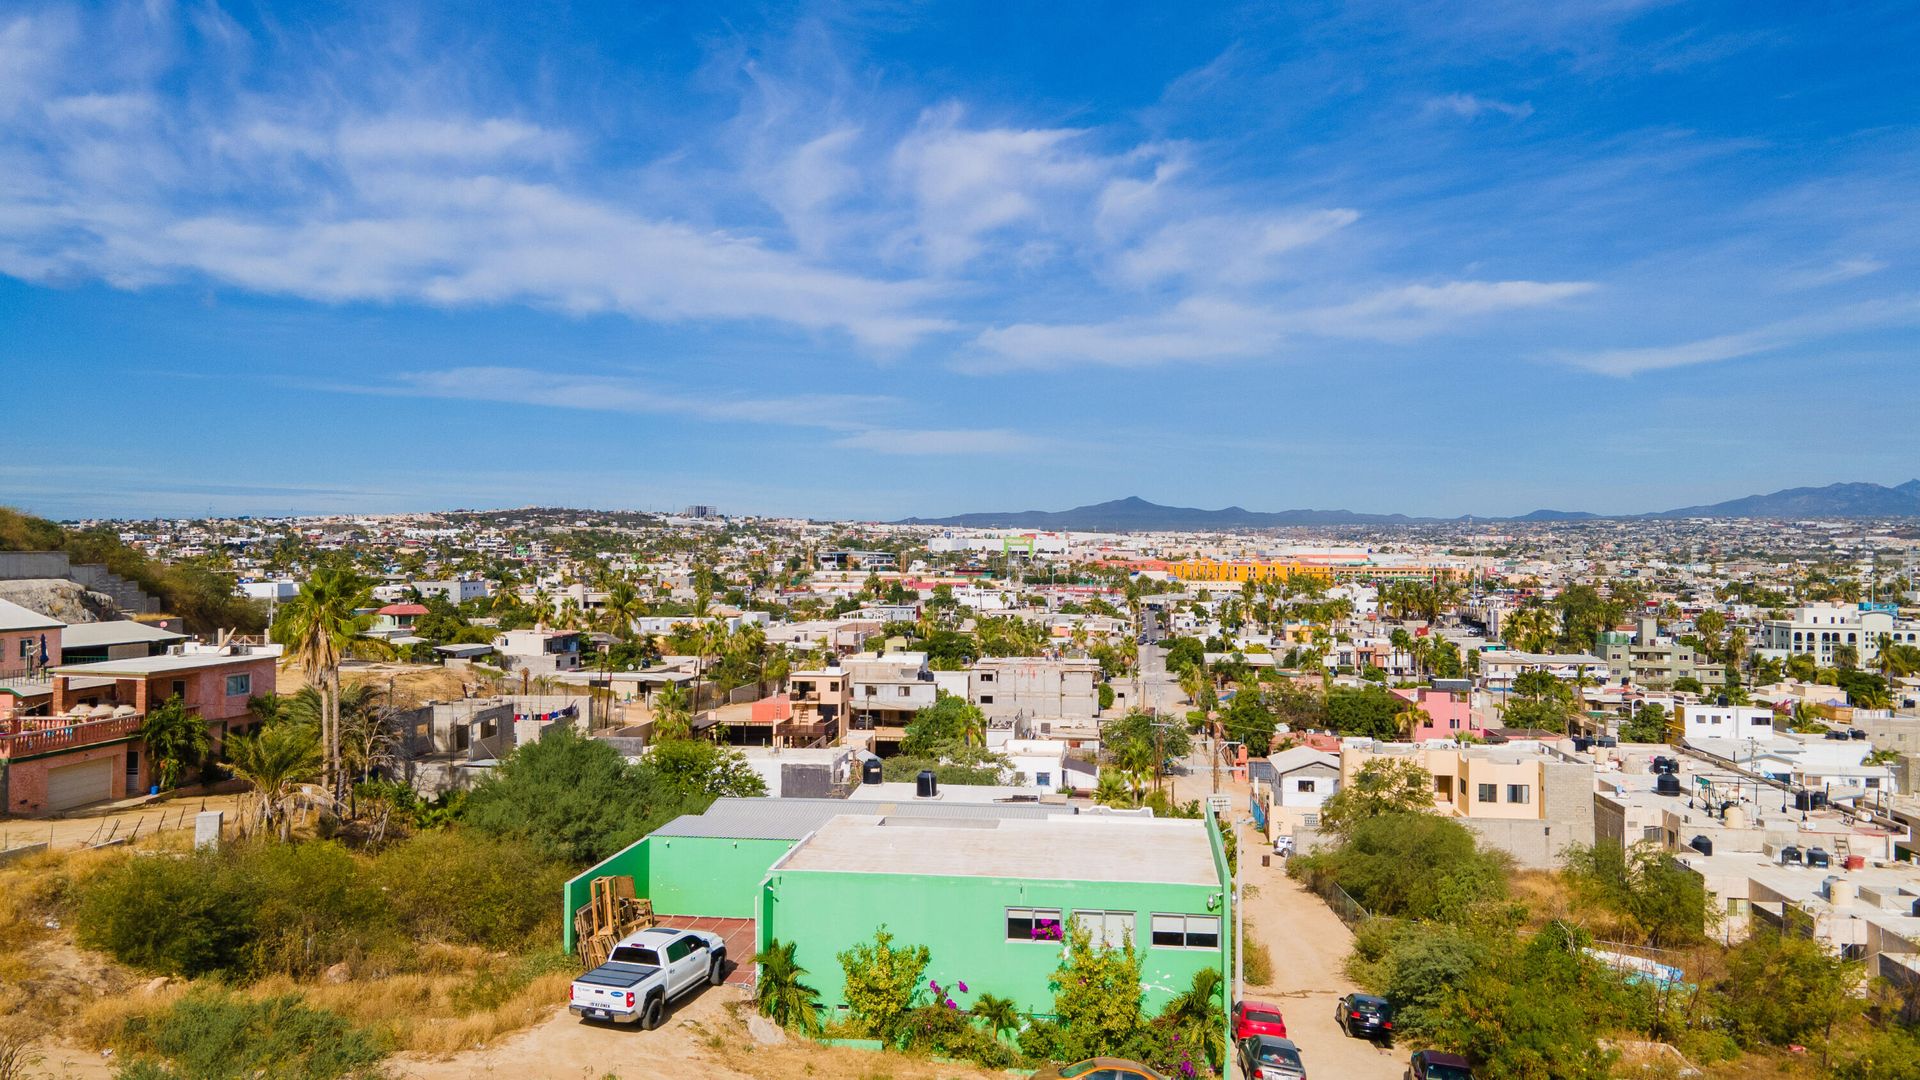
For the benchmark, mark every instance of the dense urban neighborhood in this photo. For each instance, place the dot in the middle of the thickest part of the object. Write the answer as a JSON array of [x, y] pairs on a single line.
[[1552, 798]]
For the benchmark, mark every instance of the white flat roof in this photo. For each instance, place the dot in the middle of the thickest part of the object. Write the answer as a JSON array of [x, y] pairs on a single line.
[[1076, 848], [159, 665], [115, 632]]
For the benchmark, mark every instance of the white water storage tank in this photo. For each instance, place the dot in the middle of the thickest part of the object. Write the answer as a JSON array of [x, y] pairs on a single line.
[[1841, 892], [1735, 817]]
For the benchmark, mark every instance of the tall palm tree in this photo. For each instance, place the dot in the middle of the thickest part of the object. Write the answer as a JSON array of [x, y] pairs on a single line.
[[277, 758], [623, 606], [317, 626], [779, 993]]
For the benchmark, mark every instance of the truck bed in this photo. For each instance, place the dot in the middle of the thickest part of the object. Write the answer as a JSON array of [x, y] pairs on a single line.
[[616, 974]]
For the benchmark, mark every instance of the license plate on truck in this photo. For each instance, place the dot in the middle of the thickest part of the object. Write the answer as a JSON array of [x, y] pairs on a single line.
[[600, 1014]]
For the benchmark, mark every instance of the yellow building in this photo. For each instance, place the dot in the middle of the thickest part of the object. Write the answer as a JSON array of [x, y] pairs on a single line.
[[1241, 571]]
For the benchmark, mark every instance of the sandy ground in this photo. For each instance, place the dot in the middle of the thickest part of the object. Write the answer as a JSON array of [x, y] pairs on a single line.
[[92, 826], [1309, 946]]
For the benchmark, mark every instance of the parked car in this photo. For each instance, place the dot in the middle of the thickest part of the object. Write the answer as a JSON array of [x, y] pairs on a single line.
[[1257, 1018], [1434, 1065], [1364, 1016], [645, 972], [1266, 1057], [1100, 1068]]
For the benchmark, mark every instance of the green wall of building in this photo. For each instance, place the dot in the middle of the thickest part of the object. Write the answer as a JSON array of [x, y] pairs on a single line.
[[685, 875], [701, 875], [962, 921]]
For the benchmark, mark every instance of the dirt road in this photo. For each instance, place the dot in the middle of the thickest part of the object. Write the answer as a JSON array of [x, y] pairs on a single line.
[[109, 822], [1309, 946]]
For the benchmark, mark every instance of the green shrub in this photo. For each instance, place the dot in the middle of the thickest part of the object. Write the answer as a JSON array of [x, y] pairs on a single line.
[[216, 1036], [297, 909], [577, 800], [883, 982], [177, 916], [458, 886]]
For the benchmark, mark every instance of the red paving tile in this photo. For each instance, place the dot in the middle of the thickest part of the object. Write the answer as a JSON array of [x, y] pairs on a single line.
[[739, 935]]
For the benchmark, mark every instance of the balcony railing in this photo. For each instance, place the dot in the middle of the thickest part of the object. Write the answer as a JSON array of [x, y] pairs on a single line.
[[51, 733]]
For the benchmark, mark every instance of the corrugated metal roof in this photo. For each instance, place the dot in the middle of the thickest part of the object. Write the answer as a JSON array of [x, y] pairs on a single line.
[[791, 819]]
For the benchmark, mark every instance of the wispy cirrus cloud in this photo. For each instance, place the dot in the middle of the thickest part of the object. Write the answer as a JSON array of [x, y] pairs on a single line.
[[1473, 105], [849, 415], [1773, 337], [1207, 328]]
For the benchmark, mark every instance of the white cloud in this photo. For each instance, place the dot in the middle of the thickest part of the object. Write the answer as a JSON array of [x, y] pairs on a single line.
[[1226, 248], [1472, 105], [925, 442], [1789, 333], [1211, 328], [626, 394], [968, 183], [1835, 272], [451, 139], [844, 413]]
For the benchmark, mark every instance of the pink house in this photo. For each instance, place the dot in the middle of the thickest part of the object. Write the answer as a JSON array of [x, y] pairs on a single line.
[[1449, 713], [29, 641]]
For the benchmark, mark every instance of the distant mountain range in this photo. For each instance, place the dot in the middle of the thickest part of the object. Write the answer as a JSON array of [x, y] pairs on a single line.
[[1134, 514]]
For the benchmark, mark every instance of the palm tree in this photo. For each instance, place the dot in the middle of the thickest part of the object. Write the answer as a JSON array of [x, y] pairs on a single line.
[[1409, 720], [622, 607], [175, 738], [316, 627], [1898, 660], [1111, 789], [778, 992], [275, 759], [1197, 1016], [997, 1013]]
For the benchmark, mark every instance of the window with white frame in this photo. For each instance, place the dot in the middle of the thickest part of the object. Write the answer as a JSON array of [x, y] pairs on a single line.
[[1033, 924], [1109, 929], [1186, 931]]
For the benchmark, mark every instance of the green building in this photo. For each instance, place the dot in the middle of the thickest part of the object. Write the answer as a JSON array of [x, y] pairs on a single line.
[[991, 898], [712, 865], [988, 888]]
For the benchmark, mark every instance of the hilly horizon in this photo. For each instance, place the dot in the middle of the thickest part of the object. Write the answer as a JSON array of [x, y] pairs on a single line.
[[1135, 514]]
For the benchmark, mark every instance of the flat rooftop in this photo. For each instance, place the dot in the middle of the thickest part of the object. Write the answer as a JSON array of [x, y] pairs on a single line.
[[115, 632], [1086, 847], [159, 665]]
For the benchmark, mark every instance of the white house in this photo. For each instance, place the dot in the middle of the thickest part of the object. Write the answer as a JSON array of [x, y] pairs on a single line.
[[1725, 721], [1302, 778], [1041, 763]]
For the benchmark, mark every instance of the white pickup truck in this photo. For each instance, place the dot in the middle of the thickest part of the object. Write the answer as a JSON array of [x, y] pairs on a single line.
[[645, 971]]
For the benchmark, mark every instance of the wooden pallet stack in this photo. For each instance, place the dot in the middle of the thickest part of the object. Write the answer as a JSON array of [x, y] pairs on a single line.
[[611, 912]]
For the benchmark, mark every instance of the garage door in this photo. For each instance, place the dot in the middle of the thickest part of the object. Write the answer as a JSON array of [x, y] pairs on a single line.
[[77, 785]]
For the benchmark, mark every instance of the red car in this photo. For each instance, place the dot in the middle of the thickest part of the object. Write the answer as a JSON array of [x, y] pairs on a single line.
[[1257, 1018]]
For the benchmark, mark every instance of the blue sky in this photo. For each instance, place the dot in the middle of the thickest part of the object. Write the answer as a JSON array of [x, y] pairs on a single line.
[[891, 259]]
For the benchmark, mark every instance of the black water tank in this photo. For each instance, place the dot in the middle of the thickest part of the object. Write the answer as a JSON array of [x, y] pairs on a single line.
[[1668, 784], [1606, 740], [1803, 800], [1856, 733], [1582, 744], [1818, 857], [1790, 855], [925, 786], [871, 771], [1820, 800], [1701, 844]]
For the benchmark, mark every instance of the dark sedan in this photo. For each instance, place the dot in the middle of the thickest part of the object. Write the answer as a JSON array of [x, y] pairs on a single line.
[[1364, 1016]]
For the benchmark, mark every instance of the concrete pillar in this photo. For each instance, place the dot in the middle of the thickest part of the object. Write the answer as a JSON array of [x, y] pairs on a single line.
[[206, 829]]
